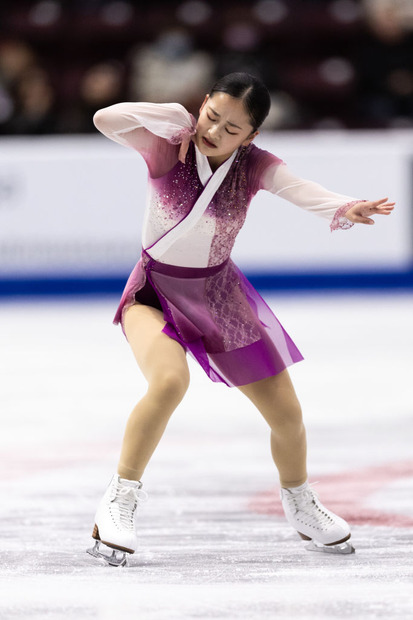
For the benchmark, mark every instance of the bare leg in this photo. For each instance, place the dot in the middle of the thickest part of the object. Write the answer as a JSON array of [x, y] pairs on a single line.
[[163, 363], [276, 399]]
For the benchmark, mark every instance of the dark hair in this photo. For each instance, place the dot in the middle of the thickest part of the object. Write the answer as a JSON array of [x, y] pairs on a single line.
[[251, 90]]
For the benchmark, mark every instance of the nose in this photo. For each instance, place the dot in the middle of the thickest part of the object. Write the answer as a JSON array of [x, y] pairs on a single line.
[[213, 131]]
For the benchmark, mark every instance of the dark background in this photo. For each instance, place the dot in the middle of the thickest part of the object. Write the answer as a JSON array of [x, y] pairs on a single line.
[[328, 63]]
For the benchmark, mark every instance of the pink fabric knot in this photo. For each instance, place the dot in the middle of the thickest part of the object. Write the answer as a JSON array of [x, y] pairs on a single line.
[[183, 137]]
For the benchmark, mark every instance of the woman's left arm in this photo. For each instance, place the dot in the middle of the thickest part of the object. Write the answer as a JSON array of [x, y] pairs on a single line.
[[342, 211]]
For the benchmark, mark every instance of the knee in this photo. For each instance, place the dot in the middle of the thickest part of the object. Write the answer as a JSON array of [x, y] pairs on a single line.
[[170, 384], [287, 417]]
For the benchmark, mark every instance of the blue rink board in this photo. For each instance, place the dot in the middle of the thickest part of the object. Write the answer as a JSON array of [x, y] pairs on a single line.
[[268, 281]]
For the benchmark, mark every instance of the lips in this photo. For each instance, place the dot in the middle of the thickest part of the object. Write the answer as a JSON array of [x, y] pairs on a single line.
[[208, 143]]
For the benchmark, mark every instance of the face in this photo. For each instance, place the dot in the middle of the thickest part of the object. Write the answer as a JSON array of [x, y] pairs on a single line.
[[223, 126]]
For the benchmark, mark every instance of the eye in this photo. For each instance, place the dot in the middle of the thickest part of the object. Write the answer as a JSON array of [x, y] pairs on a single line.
[[214, 120]]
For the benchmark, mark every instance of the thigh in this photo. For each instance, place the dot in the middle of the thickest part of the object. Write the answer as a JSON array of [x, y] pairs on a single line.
[[151, 347]]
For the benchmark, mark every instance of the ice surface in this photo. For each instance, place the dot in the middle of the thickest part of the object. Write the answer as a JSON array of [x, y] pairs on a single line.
[[214, 543]]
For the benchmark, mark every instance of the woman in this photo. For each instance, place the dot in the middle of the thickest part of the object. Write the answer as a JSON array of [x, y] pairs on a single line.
[[186, 295]]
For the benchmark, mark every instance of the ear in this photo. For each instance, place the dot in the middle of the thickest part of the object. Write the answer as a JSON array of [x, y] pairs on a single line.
[[250, 138], [203, 103]]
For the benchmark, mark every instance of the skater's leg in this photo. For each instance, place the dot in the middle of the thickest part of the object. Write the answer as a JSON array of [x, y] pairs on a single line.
[[276, 399], [162, 361]]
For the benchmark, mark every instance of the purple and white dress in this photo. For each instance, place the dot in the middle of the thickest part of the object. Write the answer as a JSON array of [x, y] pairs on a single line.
[[191, 222]]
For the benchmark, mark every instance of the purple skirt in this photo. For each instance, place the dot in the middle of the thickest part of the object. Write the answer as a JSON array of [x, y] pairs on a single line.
[[217, 316]]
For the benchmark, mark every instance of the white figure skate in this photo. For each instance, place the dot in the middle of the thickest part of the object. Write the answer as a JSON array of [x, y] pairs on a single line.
[[115, 521], [324, 530]]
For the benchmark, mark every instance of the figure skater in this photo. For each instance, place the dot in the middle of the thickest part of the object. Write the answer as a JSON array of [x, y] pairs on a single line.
[[185, 295]]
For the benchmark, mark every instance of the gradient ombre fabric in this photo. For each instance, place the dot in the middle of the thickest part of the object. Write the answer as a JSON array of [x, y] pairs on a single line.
[[221, 320], [208, 304]]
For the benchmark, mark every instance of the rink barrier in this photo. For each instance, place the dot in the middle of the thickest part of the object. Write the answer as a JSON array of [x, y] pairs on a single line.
[[273, 282], [62, 216]]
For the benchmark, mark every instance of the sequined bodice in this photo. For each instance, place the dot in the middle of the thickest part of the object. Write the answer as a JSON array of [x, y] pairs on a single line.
[[172, 196]]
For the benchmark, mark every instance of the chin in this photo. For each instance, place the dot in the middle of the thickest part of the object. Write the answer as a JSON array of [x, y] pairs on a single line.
[[201, 147], [199, 143]]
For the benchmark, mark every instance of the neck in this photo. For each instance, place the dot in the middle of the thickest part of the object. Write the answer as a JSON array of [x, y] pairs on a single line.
[[216, 162]]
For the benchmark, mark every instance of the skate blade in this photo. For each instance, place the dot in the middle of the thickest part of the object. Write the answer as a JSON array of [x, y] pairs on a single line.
[[344, 548], [117, 557]]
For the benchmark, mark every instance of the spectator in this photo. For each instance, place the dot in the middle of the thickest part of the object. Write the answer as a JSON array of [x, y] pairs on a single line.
[[101, 85], [34, 111], [171, 69], [386, 64], [16, 58], [323, 63], [390, 20]]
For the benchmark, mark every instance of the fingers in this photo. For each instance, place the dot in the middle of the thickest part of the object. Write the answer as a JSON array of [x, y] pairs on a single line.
[[378, 207], [184, 149], [382, 203], [376, 203], [383, 210]]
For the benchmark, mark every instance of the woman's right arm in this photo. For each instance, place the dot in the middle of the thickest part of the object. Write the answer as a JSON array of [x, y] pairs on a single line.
[[152, 129]]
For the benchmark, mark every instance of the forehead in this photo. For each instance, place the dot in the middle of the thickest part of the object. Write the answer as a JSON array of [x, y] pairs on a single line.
[[229, 108]]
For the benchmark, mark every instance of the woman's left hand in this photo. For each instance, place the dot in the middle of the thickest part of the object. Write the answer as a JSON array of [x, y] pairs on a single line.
[[360, 213]]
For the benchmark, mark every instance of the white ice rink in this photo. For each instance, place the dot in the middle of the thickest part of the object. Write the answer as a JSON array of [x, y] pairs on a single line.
[[214, 543]]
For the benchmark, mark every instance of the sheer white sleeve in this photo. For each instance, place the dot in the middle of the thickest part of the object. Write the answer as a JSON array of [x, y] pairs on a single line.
[[152, 129], [309, 195], [121, 121]]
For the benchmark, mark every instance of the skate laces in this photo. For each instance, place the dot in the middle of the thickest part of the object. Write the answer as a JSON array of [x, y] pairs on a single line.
[[127, 499], [307, 501], [307, 496]]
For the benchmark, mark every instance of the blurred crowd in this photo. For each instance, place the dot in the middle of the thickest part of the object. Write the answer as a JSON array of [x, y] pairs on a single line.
[[327, 63]]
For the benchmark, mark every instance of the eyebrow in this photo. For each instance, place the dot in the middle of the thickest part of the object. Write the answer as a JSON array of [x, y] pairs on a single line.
[[219, 115]]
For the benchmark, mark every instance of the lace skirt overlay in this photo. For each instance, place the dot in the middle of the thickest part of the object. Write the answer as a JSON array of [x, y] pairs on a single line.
[[218, 317]]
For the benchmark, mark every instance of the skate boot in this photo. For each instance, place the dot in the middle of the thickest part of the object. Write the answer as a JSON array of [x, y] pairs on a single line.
[[115, 521], [324, 530]]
